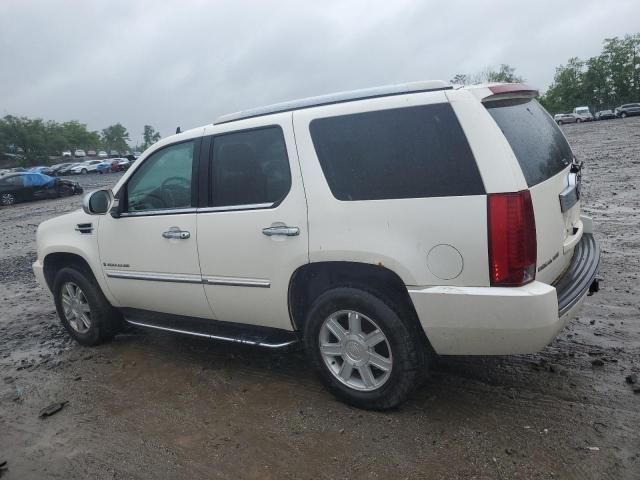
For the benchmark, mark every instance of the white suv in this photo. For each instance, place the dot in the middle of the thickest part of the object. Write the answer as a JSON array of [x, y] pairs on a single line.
[[377, 226]]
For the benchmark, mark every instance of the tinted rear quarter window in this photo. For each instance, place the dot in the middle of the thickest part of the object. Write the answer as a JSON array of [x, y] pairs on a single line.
[[408, 152], [537, 142]]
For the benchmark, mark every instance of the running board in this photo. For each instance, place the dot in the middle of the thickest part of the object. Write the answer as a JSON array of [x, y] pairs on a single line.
[[212, 329]]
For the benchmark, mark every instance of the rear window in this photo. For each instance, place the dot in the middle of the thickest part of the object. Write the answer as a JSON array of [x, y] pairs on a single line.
[[535, 139], [408, 152]]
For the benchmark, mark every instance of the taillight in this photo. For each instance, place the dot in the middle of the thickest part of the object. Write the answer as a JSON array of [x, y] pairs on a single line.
[[512, 239]]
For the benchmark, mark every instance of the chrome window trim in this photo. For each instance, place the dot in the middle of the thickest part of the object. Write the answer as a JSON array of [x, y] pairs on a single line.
[[168, 211], [178, 211], [234, 208]]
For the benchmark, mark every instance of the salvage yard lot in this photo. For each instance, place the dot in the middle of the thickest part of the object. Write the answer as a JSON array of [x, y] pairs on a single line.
[[155, 405]]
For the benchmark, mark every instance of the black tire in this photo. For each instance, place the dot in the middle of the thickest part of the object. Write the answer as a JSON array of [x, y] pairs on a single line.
[[559, 122], [7, 199], [578, 120], [407, 347], [65, 191], [105, 321], [623, 115], [84, 171]]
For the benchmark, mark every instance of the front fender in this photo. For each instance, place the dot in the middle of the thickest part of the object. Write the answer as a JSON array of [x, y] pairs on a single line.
[[60, 235]]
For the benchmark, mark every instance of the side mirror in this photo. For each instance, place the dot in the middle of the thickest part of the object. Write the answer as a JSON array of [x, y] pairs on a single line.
[[97, 202]]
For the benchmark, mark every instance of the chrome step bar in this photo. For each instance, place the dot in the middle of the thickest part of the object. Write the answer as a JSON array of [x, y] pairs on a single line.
[[237, 339]]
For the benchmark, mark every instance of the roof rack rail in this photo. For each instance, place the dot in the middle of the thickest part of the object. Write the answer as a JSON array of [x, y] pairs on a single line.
[[333, 98]]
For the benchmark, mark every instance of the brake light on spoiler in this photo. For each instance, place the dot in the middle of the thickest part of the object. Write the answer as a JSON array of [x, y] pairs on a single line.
[[512, 239]]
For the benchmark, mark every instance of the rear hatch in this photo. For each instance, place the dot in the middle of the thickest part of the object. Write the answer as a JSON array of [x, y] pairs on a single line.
[[552, 175]]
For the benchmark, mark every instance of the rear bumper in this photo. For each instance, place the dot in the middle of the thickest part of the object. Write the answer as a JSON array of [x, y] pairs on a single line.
[[502, 321], [576, 282]]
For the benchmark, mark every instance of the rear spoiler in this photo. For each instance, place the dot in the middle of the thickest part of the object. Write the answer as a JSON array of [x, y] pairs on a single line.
[[505, 91]]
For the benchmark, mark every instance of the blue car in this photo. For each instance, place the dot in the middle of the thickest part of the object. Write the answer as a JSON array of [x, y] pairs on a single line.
[[24, 186], [103, 167]]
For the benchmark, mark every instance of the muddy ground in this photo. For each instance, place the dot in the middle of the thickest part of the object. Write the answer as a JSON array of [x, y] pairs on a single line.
[[153, 405]]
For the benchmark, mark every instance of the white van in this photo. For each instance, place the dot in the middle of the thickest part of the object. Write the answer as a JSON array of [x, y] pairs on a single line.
[[583, 114]]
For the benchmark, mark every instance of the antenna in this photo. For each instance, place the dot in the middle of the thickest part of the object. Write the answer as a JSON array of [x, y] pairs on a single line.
[[178, 130]]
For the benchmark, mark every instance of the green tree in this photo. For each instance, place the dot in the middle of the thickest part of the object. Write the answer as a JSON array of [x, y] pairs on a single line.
[[28, 135], [115, 137], [150, 136], [601, 82], [505, 73], [461, 79]]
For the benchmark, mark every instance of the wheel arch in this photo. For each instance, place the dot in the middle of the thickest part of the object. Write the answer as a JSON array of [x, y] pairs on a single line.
[[53, 262], [311, 280]]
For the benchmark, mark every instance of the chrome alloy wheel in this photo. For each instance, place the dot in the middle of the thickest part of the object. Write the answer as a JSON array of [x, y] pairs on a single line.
[[76, 307], [7, 199], [355, 350]]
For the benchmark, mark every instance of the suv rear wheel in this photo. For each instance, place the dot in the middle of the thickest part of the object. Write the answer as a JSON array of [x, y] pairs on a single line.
[[84, 311], [366, 354]]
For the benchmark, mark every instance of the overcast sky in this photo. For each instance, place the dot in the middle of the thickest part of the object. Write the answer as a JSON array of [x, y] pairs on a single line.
[[184, 62]]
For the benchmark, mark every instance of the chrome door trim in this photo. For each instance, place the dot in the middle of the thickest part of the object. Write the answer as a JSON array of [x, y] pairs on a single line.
[[155, 277], [236, 281], [233, 208], [189, 278]]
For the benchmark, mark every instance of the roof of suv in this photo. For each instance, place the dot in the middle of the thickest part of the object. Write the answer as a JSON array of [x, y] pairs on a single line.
[[349, 96]]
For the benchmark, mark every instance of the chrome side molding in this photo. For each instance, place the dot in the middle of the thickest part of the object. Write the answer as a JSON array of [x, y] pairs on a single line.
[[189, 278]]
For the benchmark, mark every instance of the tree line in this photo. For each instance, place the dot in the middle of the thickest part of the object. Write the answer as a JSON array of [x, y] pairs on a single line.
[[605, 81], [35, 139], [601, 82]]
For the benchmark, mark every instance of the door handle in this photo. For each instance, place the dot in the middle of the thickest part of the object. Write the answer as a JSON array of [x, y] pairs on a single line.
[[175, 232], [284, 231]]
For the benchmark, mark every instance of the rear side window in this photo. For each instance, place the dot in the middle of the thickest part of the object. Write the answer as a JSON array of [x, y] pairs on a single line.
[[535, 139], [408, 152], [249, 167]]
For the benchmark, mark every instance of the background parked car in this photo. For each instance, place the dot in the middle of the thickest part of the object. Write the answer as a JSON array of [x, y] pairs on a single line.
[[55, 169], [583, 114], [44, 170], [113, 153], [120, 164], [562, 118], [66, 170], [104, 167], [604, 115], [86, 167], [79, 153], [102, 154], [91, 153], [628, 110], [24, 186], [66, 153]]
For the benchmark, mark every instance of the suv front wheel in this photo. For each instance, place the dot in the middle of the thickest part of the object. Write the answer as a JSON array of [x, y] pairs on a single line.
[[83, 309], [367, 355]]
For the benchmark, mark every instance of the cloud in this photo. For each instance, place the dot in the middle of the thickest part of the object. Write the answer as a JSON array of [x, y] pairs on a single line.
[[185, 63]]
